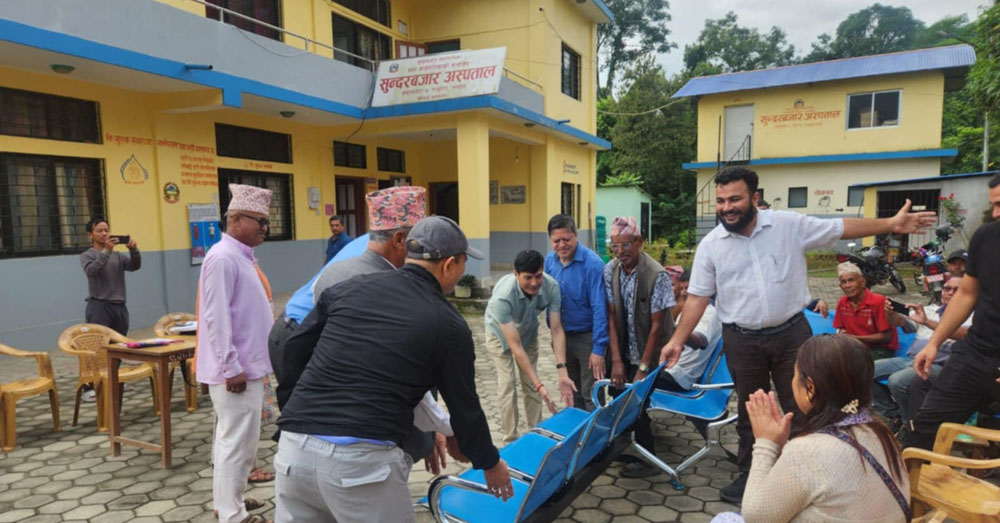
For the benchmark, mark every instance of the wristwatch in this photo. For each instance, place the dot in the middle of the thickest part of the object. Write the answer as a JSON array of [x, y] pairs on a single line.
[[560, 365], [643, 367]]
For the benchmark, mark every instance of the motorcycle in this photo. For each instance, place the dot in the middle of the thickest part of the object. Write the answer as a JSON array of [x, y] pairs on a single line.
[[930, 257], [874, 266]]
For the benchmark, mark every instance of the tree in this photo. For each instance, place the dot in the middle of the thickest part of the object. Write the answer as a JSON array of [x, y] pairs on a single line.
[[639, 28], [653, 144], [984, 76], [950, 30], [876, 29], [727, 47]]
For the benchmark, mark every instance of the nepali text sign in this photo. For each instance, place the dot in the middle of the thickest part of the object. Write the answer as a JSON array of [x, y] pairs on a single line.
[[439, 76], [800, 115]]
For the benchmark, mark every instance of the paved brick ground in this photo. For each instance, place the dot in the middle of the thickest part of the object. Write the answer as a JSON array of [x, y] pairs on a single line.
[[70, 475]]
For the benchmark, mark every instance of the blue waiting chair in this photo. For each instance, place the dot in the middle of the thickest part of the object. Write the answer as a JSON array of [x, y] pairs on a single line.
[[707, 401], [466, 498]]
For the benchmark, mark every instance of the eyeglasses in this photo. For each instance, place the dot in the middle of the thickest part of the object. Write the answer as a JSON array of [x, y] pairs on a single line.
[[949, 289], [623, 245], [262, 222]]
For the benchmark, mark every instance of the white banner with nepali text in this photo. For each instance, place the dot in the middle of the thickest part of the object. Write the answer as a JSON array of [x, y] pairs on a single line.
[[439, 76]]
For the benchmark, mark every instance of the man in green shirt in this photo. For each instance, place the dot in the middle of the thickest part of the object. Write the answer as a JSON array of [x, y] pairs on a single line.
[[512, 340]]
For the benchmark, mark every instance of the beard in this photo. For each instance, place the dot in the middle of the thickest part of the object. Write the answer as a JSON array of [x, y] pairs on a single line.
[[745, 219]]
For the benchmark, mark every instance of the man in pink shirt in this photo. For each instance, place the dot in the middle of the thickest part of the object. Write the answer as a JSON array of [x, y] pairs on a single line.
[[234, 317]]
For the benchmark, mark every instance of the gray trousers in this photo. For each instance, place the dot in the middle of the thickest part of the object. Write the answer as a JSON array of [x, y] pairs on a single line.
[[579, 346], [322, 481]]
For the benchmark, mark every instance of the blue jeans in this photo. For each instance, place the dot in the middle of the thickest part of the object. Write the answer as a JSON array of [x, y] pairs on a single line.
[[892, 399]]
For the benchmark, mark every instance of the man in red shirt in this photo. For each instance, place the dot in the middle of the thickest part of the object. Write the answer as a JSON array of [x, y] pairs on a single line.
[[861, 313]]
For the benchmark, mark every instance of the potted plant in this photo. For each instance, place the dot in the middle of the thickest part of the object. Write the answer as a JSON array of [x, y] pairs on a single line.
[[463, 289]]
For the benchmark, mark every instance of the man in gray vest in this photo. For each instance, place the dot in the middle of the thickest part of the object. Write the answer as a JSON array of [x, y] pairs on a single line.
[[639, 294]]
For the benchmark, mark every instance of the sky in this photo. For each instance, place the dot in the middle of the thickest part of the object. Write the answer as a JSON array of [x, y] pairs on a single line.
[[802, 20]]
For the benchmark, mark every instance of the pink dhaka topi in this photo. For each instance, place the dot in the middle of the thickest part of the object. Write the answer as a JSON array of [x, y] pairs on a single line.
[[396, 207], [624, 226], [249, 198]]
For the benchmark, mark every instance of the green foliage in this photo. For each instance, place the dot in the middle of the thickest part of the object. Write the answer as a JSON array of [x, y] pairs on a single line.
[[875, 29], [639, 29], [984, 76], [725, 45], [653, 145], [623, 180]]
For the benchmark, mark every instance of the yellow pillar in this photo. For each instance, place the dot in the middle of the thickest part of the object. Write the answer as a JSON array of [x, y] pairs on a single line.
[[541, 210], [473, 147]]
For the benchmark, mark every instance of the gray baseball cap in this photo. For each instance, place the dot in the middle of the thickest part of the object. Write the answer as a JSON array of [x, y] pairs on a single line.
[[438, 237]]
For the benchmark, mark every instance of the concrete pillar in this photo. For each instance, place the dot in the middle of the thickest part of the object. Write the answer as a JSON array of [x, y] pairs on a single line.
[[538, 188], [473, 144]]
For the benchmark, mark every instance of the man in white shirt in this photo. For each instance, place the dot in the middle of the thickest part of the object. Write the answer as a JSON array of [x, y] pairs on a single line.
[[754, 262]]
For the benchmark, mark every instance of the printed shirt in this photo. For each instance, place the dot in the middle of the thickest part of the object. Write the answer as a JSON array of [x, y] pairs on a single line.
[[760, 280], [234, 315], [869, 318], [663, 298], [584, 305], [509, 304]]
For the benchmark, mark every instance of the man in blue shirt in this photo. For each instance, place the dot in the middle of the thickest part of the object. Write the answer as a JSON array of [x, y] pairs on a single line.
[[338, 238], [579, 272]]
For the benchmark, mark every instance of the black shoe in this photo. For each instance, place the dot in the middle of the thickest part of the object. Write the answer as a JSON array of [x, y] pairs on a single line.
[[733, 492], [639, 469]]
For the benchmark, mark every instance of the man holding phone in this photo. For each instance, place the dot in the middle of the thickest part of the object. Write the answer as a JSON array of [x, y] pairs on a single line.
[[105, 272]]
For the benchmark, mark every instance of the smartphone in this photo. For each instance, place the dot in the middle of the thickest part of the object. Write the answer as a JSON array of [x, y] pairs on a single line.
[[123, 239], [899, 307]]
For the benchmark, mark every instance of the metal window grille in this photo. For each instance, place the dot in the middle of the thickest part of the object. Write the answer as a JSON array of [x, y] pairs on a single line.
[[570, 72], [280, 184], [267, 11], [39, 115], [391, 160], [46, 202], [377, 10], [253, 144], [359, 40], [349, 155]]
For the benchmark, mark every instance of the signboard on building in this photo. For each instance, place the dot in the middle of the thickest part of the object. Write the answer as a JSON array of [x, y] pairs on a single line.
[[439, 76]]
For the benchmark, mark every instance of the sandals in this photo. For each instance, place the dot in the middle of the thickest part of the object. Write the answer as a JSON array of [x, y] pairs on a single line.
[[250, 504], [260, 476]]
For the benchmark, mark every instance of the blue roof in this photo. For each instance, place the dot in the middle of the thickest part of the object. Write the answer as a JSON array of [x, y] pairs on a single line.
[[926, 179], [953, 56]]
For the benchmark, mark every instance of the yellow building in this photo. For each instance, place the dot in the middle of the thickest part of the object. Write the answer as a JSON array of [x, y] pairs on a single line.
[[810, 131], [135, 110]]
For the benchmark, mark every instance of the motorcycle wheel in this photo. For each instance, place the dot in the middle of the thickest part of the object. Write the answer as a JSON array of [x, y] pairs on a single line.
[[897, 281]]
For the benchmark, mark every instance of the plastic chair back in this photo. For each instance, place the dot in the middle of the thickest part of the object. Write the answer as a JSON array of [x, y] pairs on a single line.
[[598, 433], [818, 323], [636, 404], [552, 473]]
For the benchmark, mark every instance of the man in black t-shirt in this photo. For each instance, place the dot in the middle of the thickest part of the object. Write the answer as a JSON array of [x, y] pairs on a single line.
[[971, 379]]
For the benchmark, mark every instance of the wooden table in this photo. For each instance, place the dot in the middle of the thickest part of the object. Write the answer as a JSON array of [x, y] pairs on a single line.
[[160, 358]]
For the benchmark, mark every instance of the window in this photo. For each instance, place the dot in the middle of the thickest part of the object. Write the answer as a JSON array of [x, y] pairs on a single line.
[[570, 72], [569, 196], [377, 10], [267, 11], [359, 40], [46, 202], [349, 155], [878, 109], [391, 160], [280, 184], [252, 144], [798, 197], [855, 196], [37, 115], [444, 47]]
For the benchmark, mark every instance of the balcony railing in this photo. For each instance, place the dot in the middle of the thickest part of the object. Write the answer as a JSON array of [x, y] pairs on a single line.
[[371, 65]]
